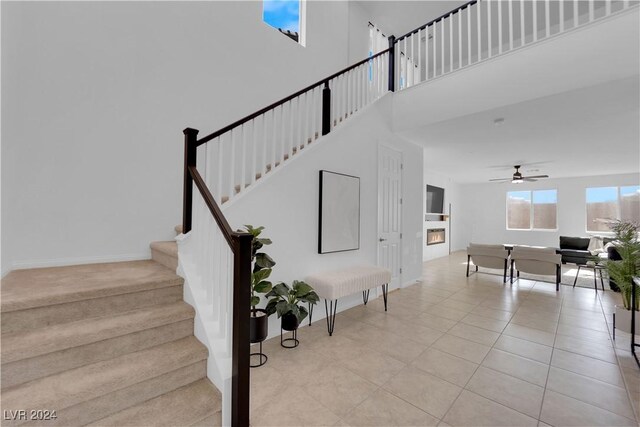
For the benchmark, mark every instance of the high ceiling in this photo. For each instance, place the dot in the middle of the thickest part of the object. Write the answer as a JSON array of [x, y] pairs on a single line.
[[571, 107], [588, 131]]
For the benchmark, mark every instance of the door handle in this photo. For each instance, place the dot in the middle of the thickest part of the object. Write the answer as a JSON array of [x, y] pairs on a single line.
[[382, 240]]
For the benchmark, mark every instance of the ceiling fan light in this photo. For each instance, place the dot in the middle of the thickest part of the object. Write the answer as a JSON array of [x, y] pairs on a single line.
[[517, 181]]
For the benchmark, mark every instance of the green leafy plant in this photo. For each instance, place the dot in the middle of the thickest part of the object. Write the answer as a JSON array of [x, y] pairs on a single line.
[[262, 264], [285, 299], [623, 271]]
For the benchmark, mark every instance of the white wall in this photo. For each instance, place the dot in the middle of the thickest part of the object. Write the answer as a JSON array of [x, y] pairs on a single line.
[[286, 203], [94, 99], [454, 227], [484, 210]]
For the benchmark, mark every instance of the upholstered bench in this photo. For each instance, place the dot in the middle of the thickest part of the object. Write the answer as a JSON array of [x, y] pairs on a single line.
[[332, 285]]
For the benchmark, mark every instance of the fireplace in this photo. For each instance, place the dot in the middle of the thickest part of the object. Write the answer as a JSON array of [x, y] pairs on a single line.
[[435, 236]]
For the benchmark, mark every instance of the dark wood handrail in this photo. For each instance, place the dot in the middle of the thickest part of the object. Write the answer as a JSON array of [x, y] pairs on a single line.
[[283, 100], [452, 12], [215, 210]]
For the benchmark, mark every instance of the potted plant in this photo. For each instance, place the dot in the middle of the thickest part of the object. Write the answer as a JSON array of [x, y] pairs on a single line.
[[261, 270], [287, 303], [623, 270]]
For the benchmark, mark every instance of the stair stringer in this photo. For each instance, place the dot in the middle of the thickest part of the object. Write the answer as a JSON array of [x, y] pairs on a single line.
[[205, 329]]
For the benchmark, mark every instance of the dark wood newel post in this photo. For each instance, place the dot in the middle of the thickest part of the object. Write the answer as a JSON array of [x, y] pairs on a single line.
[[240, 380], [392, 63], [326, 109], [190, 150]]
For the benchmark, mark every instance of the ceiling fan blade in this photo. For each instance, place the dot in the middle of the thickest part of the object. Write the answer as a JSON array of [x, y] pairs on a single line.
[[529, 179], [536, 176], [500, 179]]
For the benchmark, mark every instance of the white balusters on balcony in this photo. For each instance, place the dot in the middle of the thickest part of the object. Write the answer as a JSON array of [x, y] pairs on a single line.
[[484, 29]]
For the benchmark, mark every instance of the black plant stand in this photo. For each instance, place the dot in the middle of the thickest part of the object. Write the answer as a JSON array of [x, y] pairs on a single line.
[[289, 342], [263, 358]]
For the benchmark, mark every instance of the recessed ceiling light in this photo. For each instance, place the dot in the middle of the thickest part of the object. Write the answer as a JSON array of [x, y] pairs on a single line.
[[499, 121]]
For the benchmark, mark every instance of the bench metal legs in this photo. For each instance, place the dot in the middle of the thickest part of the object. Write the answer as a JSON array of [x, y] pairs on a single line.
[[310, 312], [331, 307], [385, 291], [468, 262], [330, 310]]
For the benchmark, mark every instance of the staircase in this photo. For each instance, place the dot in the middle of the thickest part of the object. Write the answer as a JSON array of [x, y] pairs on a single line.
[[104, 344]]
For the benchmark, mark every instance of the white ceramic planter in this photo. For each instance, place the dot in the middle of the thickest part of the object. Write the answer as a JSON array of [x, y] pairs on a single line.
[[623, 320]]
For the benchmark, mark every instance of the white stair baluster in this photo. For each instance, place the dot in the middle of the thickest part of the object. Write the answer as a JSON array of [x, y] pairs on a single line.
[[450, 20], [358, 86], [363, 85], [442, 66], [576, 14], [274, 141], [460, 12], [293, 110], [561, 15], [317, 112], [308, 99], [547, 19], [591, 10], [243, 157], [522, 23], [232, 162], [535, 21], [300, 124], [405, 71], [265, 142], [499, 26], [426, 53], [219, 179], [469, 35], [510, 12], [350, 107], [489, 35], [254, 151], [479, 28], [419, 68]]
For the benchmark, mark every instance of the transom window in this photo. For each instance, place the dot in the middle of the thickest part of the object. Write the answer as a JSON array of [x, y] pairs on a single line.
[[607, 203], [532, 210], [286, 16]]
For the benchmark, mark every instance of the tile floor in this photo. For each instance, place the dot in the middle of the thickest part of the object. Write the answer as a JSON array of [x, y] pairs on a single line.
[[455, 351]]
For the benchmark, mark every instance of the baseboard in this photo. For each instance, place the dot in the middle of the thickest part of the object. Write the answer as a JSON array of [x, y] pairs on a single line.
[[61, 262]]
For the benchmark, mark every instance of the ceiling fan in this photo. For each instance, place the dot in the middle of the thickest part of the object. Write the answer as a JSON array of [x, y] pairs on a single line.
[[517, 177]]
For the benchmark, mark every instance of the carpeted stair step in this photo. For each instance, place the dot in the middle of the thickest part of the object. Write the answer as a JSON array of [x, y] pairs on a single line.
[[38, 353], [165, 253], [96, 391], [43, 297], [198, 403]]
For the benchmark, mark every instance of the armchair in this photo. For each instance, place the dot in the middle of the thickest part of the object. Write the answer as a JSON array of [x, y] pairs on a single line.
[[542, 261], [488, 256]]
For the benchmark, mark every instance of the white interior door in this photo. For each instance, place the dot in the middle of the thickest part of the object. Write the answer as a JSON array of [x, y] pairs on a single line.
[[390, 212]]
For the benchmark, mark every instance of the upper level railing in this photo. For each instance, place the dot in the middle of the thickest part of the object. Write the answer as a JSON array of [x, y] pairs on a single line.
[[480, 30]]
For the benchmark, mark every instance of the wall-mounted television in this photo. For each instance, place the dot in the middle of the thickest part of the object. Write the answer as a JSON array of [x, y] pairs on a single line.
[[435, 200]]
